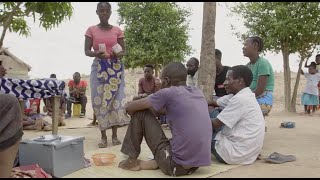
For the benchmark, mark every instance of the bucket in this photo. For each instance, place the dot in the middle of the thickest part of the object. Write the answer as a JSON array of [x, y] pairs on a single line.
[[76, 109]]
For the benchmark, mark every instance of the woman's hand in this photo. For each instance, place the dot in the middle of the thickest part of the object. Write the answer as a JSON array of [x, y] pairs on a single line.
[[118, 55], [102, 55]]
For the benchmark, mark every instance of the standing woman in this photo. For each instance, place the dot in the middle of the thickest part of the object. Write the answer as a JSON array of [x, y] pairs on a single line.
[[263, 76], [107, 74]]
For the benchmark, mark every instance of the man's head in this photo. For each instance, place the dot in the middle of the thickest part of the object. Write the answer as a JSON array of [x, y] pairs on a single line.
[[192, 66], [76, 77], [318, 58], [104, 11], [218, 55], [252, 45], [173, 74], [53, 76], [148, 71], [237, 78]]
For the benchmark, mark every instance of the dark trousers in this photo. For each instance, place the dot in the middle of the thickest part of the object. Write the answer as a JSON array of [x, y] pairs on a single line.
[[145, 124], [81, 100]]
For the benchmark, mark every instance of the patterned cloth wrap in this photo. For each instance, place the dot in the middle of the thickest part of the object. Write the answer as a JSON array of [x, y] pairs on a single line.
[[32, 89]]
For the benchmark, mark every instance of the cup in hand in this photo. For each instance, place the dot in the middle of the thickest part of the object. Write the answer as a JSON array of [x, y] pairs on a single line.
[[102, 48], [117, 48]]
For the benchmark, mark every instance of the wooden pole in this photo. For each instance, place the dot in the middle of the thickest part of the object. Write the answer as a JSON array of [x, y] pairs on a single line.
[[55, 114]]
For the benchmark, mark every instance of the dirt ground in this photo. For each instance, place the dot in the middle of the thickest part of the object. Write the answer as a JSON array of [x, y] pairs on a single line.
[[301, 141]]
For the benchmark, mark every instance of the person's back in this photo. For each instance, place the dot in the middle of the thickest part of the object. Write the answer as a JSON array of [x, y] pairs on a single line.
[[187, 115], [241, 140]]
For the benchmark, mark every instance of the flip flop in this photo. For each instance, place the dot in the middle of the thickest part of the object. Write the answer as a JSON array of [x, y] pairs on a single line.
[[115, 142], [280, 158], [103, 144]]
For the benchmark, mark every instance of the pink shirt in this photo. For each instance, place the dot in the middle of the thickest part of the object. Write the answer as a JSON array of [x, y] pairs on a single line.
[[108, 37]]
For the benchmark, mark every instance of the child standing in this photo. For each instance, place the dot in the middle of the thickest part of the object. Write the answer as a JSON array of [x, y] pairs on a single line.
[[310, 96]]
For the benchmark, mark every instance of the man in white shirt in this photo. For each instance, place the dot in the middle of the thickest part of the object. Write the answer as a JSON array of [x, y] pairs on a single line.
[[192, 68], [241, 138]]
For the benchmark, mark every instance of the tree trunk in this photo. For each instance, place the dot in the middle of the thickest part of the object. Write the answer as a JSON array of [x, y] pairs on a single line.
[[207, 71], [156, 70], [8, 22], [295, 90], [287, 76]]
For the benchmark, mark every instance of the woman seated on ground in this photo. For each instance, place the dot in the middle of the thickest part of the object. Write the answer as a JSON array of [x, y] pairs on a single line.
[[34, 121]]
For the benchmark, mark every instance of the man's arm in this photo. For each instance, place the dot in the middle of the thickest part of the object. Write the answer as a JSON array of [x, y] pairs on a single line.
[[140, 86], [306, 64], [216, 123], [138, 105], [213, 103]]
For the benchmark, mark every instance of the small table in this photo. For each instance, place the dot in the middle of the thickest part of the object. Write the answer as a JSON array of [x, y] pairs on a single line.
[[36, 89]]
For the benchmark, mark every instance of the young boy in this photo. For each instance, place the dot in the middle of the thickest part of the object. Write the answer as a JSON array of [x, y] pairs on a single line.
[[187, 115]]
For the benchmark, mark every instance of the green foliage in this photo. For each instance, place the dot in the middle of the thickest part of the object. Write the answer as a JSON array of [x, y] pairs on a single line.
[[155, 32], [282, 23], [49, 14]]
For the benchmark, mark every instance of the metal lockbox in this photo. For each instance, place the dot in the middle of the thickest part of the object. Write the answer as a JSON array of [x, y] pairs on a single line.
[[57, 155]]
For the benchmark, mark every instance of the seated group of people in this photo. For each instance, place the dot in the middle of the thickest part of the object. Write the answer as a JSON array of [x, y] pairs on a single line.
[[234, 135], [232, 130]]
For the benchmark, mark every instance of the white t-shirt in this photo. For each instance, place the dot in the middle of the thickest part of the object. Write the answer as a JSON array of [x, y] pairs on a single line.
[[312, 83], [192, 80], [241, 139]]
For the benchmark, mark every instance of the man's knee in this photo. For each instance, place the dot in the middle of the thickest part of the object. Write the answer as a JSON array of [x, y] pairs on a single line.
[[143, 114], [83, 99]]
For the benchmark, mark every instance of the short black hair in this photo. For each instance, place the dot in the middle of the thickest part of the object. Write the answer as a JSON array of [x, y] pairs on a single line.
[[176, 71], [259, 41], [318, 55], [218, 54], [53, 76], [313, 64], [104, 3], [195, 60], [149, 66], [241, 71], [76, 73]]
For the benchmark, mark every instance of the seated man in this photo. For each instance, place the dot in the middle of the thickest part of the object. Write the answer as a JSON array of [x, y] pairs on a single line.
[[221, 72], [148, 84], [241, 138], [192, 67], [187, 115], [10, 130], [77, 90], [219, 90]]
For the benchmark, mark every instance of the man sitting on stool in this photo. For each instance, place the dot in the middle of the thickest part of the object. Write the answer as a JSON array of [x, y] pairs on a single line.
[[77, 91]]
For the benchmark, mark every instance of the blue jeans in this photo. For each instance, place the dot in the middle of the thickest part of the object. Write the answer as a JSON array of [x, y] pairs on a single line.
[[213, 115]]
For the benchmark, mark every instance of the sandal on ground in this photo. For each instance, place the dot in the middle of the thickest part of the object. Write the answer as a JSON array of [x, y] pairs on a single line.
[[278, 158], [115, 142], [103, 144]]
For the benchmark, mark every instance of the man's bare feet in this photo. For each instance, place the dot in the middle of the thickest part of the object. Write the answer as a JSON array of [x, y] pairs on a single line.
[[148, 165], [130, 164]]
